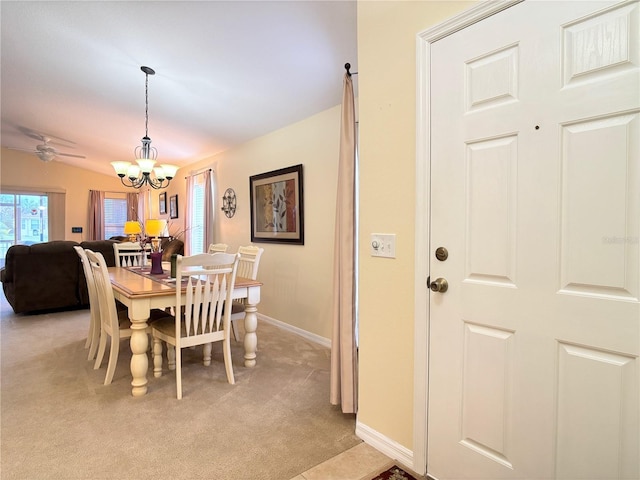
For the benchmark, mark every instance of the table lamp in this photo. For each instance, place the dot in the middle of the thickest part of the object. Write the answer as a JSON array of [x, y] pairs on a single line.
[[154, 228], [132, 228]]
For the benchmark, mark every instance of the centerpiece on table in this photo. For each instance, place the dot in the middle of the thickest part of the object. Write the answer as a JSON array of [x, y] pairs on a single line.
[[153, 229]]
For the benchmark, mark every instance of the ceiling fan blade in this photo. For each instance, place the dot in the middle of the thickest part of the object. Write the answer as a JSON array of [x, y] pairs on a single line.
[[23, 149], [69, 155], [41, 136]]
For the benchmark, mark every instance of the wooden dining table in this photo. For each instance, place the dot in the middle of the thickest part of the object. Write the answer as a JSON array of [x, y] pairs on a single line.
[[142, 292]]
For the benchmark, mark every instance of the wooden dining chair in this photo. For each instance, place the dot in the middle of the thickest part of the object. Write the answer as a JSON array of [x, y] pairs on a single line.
[[218, 248], [248, 268], [209, 281], [131, 254], [114, 324], [93, 337]]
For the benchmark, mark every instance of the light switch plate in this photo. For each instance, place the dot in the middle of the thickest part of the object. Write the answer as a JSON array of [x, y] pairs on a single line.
[[383, 245]]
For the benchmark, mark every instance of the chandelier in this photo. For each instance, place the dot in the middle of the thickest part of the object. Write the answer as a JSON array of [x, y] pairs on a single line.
[[139, 175]]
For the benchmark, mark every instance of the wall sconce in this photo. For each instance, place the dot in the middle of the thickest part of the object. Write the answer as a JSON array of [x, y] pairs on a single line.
[[229, 202]]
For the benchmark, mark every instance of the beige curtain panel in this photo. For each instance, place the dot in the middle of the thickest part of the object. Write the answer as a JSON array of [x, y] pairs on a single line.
[[209, 211], [344, 354], [132, 206], [96, 217]]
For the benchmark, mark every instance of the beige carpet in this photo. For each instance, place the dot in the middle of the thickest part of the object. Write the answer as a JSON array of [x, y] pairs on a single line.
[[58, 421]]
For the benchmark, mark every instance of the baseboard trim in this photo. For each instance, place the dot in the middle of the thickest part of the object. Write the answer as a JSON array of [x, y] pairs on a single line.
[[325, 342], [385, 445]]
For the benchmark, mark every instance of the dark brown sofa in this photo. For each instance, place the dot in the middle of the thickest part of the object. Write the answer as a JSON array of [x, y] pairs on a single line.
[[171, 247], [49, 276]]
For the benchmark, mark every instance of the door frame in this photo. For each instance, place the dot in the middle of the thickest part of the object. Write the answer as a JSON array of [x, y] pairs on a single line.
[[424, 40]]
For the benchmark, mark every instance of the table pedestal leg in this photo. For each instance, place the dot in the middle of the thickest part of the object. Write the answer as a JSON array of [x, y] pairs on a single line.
[[250, 336], [139, 360]]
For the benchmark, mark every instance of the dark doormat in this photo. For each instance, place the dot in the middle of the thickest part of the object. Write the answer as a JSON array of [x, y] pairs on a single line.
[[394, 473]]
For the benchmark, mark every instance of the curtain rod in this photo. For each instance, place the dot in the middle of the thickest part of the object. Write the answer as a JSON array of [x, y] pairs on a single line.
[[347, 66], [193, 173], [109, 191], [19, 190]]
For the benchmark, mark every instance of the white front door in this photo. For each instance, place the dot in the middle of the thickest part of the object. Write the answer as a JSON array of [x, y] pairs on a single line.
[[535, 194]]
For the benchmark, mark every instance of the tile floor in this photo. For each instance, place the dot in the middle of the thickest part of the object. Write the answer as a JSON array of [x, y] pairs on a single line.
[[361, 462]]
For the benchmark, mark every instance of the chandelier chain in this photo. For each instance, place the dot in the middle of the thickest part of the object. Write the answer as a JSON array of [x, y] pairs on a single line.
[[146, 105]]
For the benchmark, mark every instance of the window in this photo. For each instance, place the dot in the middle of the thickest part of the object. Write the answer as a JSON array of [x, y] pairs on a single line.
[[200, 212], [115, 215], [24, 219], [196, 238]]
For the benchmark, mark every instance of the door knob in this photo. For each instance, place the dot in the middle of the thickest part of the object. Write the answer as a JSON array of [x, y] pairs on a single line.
[[439, 285]]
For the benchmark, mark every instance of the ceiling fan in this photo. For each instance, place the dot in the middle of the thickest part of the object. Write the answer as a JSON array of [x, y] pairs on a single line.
[[45, 151]]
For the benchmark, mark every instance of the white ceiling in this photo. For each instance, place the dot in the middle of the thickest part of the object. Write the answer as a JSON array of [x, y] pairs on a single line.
[[226, 72]]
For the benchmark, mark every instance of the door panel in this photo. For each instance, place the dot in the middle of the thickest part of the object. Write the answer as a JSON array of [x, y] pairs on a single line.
[[486, 425], [593, 224], [535, 193], [611, 432], [490, 211]]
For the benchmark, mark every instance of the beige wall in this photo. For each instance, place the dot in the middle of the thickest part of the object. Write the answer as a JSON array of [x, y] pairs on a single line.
[[387, 112], [19, 169], [297, 279]]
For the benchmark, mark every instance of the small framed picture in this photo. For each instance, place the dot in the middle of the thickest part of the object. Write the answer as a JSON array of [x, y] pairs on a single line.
[[163, 203], [173, 206]]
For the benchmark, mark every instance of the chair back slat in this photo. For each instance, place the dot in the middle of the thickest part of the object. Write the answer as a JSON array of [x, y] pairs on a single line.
[[131, 254], [220, 296]]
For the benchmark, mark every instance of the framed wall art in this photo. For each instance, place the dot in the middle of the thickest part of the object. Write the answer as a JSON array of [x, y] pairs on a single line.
[[173, 206], [162, 203], [277, 207]]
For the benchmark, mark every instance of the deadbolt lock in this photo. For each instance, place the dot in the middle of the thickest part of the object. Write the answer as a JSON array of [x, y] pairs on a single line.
[[442, 254], [439, 285]]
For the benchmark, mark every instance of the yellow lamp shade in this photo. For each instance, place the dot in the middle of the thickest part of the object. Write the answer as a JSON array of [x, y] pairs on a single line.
[[132, 228], [154, 227]]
